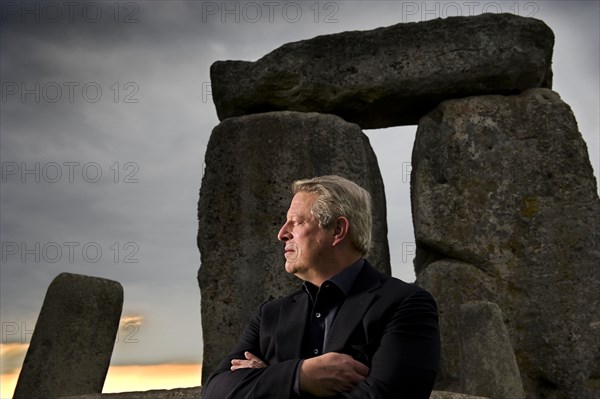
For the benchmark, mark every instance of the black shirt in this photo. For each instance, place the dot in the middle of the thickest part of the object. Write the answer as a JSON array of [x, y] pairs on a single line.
[[326, 301]]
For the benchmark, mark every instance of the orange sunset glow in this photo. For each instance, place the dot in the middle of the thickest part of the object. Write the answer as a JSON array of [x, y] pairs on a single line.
[[120, 378], [155, 376], [128, 378]]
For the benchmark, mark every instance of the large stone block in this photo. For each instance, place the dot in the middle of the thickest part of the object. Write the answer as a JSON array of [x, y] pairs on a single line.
[[390, 76], [504, 183], [73, 339], [453, 283], [196, 393], [488, 365], [178, 393], [452, 395], [250, 163]]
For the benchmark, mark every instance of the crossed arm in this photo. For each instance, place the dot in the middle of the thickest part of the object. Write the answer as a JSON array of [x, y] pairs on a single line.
[[322, 376], [402, 366]]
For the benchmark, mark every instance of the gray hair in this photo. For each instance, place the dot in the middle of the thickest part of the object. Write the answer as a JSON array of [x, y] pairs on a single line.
[[337, 197]]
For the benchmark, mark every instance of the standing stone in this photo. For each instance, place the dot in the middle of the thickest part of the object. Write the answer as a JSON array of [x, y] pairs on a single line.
[[73, 339], [177, 393], [452, 395], [390, 76], [488, 365], [251, 162], [504, 183], [454, 283]]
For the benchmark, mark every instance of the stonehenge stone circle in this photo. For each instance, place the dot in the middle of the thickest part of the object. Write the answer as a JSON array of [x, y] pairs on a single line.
[[504, 201]]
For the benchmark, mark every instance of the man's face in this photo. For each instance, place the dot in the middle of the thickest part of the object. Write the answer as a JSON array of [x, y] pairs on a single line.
[[306, 244]]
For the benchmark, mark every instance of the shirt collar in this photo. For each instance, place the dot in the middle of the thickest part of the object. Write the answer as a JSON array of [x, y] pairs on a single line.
[[344, 280]]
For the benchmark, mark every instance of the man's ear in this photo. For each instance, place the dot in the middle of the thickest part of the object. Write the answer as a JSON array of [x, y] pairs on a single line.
[[341, 229]]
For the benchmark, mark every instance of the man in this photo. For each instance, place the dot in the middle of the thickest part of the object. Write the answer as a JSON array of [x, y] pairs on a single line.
[[351, 332]]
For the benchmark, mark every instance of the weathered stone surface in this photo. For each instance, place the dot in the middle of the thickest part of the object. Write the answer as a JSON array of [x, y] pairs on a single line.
[[452, 395], [250, 164], [504, 183], [454, 283], [390, 76], [488, 365], [195, 393], [180, 393], [73, 339]]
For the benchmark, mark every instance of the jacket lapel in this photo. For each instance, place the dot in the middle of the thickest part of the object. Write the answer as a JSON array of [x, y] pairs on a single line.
[[291, 327], [354, 308]]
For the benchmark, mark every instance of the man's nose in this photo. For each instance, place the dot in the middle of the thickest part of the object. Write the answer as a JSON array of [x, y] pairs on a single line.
[[283, 234]]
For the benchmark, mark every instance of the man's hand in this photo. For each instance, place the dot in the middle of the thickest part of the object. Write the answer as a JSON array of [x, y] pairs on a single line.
[[250, 362], [330, 374]]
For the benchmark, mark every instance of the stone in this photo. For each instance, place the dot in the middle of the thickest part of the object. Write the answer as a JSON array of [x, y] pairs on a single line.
[[453, 283], [195, 393], [504, 183], [488, 365], [179, 393], [251, 162], [452, 395], [393, 75], [73, 339]]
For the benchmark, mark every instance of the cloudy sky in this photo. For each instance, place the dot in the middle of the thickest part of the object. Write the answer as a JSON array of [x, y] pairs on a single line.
[[105, 116]]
